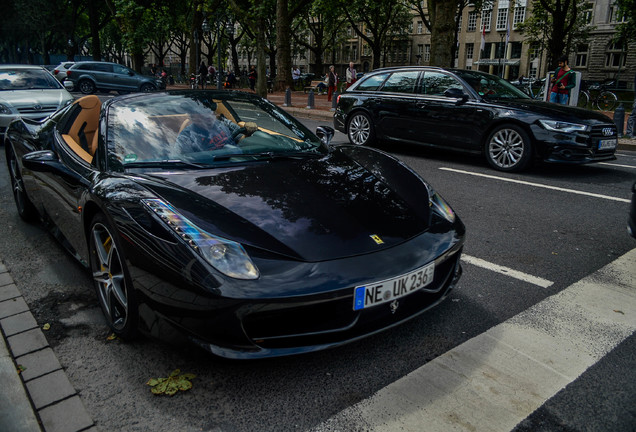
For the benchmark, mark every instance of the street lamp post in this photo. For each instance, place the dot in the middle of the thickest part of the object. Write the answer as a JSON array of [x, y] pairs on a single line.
[[218, 57]]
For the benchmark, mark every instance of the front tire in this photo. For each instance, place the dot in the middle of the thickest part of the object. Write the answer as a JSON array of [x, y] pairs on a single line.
[[111, 279], [360, 130], [26, 209], [606, 101], [508, 148]]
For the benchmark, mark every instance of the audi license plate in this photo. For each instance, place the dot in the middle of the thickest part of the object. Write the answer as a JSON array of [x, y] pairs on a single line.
[[606, 144], [385, 291]]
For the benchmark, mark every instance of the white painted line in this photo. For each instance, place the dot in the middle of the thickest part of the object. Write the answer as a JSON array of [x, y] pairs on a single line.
[[543, 283], [537, 185], [497, 379], [617, 165]]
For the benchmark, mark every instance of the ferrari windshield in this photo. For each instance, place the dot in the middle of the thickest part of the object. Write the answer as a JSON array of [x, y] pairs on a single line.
[[491, 86], [202, 128], [27, 79]]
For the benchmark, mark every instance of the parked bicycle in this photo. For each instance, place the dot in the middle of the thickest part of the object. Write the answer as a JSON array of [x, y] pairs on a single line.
[[604, 99]]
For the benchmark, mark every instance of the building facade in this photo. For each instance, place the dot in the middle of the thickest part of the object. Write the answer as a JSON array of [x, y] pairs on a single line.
[[490, 40]]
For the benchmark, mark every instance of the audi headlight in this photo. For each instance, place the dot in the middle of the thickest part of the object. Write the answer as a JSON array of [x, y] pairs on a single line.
[[565, 127], [5, 109], [439, 206], [226, 256]]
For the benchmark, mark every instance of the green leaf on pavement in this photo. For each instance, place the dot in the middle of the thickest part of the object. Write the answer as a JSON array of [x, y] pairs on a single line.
[[171, 385]]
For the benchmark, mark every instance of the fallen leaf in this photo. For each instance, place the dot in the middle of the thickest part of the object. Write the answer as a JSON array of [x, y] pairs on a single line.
[[619, 311], [21, 369], [46, 326], [171, 385], [112, 336]]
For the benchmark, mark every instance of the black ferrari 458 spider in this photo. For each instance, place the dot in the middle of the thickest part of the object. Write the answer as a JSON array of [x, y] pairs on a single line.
[[217, 218]]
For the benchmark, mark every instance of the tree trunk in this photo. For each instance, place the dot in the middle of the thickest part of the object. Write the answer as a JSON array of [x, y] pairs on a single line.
[[261, 82], [93, 18], [283, 46], [442, 32]]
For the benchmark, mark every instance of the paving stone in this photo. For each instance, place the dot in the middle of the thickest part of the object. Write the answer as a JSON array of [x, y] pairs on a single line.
[[18, 323], [38, 363], [50, 388], [5, 279], [12, 307], [29, 341], [66, 416], [8, 292]]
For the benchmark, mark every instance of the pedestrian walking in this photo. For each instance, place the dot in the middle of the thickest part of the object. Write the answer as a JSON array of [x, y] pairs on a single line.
[[351, 75], [332, 81], [203, 74], [630, 132], [252, 78], [295, 76]]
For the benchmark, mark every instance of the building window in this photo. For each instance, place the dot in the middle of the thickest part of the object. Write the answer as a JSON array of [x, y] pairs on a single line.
[[502, 18], [581, 56], [427, 53], [519, 17], [470, 49], [419, 27], [472, 21], [354, 53], [615, 56], [410, 27], [613, 15], [486, 17], [515, 50], [587, 12], [460, 22]]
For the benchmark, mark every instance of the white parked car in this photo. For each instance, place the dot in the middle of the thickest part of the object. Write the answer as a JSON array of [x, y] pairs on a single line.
[[30, 92], [60, 70]]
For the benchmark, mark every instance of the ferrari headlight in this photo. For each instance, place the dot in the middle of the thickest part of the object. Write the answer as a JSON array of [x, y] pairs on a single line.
[[5, 109], [226, 256], [441, 207], [565, 127]]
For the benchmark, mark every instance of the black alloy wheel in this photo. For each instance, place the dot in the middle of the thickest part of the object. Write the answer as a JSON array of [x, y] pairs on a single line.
[[112, 280], [508, 148], [147, 88], [25, 208], [87, 86], [360, 129]]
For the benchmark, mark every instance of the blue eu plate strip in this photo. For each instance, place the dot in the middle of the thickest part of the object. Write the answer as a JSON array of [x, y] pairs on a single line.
[[359, 298]]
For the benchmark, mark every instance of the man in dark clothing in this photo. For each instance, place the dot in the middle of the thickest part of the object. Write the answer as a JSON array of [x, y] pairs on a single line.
[[203, 72]]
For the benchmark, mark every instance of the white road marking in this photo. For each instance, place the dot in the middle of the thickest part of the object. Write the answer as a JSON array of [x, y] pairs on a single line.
[[543, 283], [617, 165], [497, 379], [537, 185]]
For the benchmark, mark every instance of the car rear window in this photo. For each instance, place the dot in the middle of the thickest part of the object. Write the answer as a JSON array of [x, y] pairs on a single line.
[[401, 82], [372, 82]]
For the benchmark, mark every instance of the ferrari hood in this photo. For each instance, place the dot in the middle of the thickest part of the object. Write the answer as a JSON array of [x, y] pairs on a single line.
[[312, 209]]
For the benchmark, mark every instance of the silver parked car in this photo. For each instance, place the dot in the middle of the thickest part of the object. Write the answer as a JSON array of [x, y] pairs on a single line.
[[29, 92], [90, 76]]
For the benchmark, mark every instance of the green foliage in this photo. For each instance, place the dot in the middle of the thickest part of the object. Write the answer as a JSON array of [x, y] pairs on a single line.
[[626, 31], [557, 26], [171, 385]]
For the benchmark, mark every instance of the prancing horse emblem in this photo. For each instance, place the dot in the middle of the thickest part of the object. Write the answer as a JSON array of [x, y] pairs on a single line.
[[376, 238], [394, 305]]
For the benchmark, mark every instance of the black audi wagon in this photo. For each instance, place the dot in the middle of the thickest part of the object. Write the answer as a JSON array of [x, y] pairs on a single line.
[[474, 112]]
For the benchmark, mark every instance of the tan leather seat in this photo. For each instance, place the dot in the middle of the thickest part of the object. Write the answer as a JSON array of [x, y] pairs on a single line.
[[82, 134]]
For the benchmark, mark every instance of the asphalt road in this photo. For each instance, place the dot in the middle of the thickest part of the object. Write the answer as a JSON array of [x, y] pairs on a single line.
[[550, 233]]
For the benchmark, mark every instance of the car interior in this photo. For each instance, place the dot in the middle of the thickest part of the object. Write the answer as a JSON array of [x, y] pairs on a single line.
[[81, 132]]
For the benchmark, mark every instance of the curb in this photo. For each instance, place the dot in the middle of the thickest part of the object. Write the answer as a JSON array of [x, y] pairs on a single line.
[[41, 397]]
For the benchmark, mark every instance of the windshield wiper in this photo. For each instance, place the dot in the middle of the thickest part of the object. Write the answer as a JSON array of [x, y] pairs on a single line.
[[168, 163], [268, 155]]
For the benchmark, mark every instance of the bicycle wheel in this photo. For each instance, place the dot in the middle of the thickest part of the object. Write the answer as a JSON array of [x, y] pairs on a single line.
[[606, 101], [584, 99]]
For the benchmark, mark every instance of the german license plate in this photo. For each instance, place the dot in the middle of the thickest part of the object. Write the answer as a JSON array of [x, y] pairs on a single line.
[[388, 290], [606, 144]]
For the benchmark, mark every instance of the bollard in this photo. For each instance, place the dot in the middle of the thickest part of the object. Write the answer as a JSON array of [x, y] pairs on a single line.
[[619, 119], [311, 103], [334, 100], [287, 98]]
